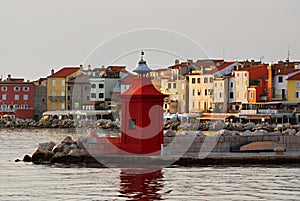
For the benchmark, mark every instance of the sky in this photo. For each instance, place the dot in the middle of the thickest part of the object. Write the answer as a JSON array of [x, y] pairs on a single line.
[[36, 36]]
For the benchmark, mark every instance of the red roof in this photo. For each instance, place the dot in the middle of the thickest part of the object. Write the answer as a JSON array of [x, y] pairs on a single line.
[[80, 79], [128, 79], [66, 71], [295, 77], [288, 71], [92, 103], [257, 72], [115, 68], [225, 65], [142, 86]]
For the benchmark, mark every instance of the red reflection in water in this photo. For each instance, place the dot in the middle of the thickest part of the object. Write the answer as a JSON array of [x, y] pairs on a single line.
[[141, 186]]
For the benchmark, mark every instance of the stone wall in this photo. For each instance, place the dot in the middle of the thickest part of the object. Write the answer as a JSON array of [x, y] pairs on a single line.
[[192, 145]]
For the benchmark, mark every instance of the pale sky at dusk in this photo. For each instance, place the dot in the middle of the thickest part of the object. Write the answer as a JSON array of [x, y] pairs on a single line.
[[36, 36]]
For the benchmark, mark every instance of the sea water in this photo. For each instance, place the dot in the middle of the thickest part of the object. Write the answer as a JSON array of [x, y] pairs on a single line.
[[27, 181]]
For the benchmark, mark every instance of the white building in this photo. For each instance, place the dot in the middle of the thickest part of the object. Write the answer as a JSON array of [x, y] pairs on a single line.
[[280, 83]]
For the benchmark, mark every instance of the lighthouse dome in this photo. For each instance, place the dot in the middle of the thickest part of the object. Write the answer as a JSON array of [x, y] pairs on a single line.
[[142, 67]]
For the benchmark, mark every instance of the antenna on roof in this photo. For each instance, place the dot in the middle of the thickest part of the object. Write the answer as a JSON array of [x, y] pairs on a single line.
[[289, 54]]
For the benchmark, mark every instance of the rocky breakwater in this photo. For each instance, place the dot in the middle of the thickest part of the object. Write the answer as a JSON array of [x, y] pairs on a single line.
[[68, 151], [56, 123]]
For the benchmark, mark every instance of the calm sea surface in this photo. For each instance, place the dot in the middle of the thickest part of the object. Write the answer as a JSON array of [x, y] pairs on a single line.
[[25, 181]]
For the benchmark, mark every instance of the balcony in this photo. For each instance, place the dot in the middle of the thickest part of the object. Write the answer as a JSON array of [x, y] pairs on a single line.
[[56, 98], [275, 111]]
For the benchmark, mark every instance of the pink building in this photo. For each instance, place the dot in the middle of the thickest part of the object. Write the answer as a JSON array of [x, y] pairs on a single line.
[[17, 96]]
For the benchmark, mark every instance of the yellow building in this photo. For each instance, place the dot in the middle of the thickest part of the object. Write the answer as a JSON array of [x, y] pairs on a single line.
[[293, 88], [57, 87]]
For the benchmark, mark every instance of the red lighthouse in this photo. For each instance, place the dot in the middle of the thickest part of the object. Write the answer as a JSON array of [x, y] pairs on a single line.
[[142, 114]]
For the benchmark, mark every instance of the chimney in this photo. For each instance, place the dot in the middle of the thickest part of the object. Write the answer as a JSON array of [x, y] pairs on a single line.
[[270, 80], [81, 67], [89, 67], [176, 62], [9, 77], [52, 71]]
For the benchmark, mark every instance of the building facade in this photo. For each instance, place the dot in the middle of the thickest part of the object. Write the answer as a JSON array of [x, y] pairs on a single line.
[[57, 87], [17, 96]]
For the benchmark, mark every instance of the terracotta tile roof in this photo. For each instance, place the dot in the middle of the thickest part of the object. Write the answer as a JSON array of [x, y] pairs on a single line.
[[92, 102], [66, 71], [128, 79], [221, 67], [256, 72], [295, 77], [286, 72], [115, 69], [80, 79]]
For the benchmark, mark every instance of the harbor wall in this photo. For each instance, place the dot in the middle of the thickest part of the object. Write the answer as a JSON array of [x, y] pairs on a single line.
[[192, 145]]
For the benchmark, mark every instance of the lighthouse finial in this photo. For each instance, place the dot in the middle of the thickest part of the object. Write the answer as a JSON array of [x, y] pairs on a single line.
[[142, 54]]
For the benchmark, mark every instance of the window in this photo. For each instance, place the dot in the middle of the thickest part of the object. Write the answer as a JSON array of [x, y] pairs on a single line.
[[210, 80], [25, 88], [298, 84], [297, 95], [280, 79], [193, 80], [101, 86], [3, 107], [93, 95], [199, 80], [63, 83], [245, 74], [169, 85], [238, 74], [69, 88], [245, 94], [132, 124], [3, 96], [25, 106], [88, 98], [199, 92], [53, 93], [174, 85], [16, 88], [62, 93], [221, 84], [17, 97], [53, 106], [193, 92], [231, 84], [93, 86], [101, 95], [63, 106], [205, 80], [25, 97], [53, 83], [251, 94], [205, 92], [231, 95], [220, 94], [3, 88]]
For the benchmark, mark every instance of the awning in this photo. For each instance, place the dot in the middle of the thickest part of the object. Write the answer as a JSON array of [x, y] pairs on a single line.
[[255, 117], [214, 117]]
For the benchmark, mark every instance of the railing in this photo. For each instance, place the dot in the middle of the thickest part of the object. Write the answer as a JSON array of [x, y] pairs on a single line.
[[56, 98], [274, 111]]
